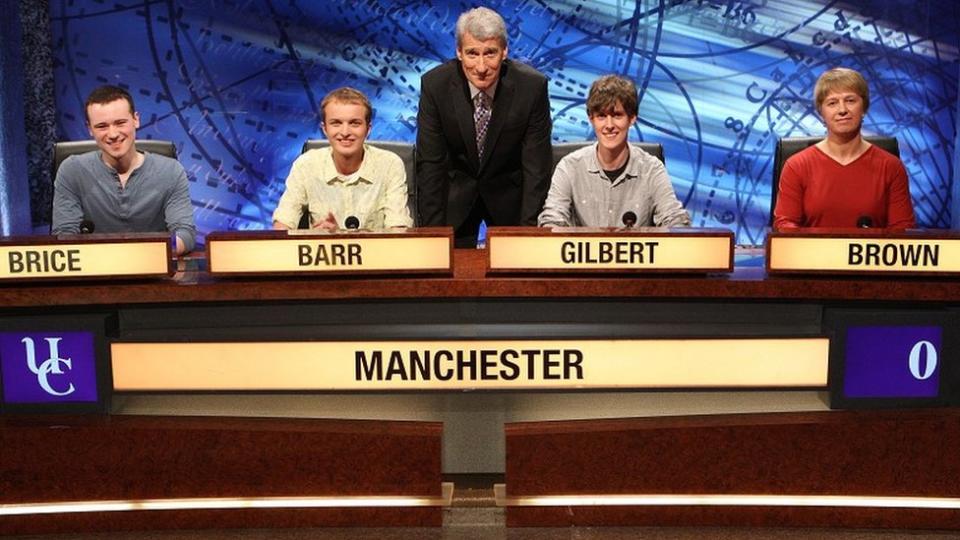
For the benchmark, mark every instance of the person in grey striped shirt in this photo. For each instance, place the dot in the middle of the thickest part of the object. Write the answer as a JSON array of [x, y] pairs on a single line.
[[611, 182]]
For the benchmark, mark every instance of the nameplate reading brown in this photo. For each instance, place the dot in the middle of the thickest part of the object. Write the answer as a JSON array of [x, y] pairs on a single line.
[[413, 251], [610, 250], [909, 253]]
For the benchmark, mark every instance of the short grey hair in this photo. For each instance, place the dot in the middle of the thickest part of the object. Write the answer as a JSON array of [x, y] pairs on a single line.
[[483, 24]]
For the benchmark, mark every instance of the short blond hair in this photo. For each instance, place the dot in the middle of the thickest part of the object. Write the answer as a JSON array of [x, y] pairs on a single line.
[[346, 94], [841, 79]]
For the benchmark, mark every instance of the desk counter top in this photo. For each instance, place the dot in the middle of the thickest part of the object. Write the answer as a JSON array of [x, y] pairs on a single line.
[[469, 280]]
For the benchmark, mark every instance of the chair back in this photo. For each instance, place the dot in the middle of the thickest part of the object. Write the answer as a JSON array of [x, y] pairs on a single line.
[[64, 149]]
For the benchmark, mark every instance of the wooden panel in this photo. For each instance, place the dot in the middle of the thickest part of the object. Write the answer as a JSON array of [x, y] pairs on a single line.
[[896, 453], [47, 459]]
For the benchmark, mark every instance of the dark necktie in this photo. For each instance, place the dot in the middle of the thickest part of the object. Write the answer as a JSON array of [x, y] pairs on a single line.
[[481, 119]]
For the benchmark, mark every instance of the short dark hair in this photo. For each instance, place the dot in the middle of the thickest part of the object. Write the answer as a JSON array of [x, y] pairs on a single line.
[[346, 94], [107, 94], [606, 91]]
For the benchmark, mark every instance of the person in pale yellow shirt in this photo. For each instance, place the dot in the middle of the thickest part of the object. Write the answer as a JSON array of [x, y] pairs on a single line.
[[349, 178]]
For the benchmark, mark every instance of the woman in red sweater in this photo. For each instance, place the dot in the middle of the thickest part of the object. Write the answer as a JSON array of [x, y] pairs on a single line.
[[843, 180]]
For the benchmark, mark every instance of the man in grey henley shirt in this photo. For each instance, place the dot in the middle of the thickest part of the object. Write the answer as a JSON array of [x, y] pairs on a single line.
[[117, 188]]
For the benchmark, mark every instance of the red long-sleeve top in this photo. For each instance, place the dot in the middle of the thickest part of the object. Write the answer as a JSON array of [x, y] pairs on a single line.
[[816, 191]]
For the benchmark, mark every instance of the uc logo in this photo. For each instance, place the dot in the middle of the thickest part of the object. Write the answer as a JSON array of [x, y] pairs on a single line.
[[53, 365]]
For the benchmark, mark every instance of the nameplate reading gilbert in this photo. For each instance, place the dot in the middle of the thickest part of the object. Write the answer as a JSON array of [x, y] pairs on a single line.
[[908, 254], [607, 250], [413, 251], [87, 256]]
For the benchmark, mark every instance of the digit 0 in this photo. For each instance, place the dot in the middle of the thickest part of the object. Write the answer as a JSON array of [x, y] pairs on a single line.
[[930, 368]]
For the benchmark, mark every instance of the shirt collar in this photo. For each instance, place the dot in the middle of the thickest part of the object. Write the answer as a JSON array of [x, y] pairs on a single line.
[[594, 167], [113, 172], [349, 180], [362, 175], [492, 91]]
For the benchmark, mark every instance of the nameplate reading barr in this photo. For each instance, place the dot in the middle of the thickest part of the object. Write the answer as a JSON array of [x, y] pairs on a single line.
[[857, 251], [580, 250], [404, 251], [93, 256]]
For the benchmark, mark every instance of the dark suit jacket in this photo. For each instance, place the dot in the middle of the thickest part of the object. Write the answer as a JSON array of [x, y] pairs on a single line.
[[513, 177]]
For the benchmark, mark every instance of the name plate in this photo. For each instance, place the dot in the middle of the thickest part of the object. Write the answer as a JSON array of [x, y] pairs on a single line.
[[92, 256], [467, 364], [581, 250], [856, 251], [411, 251]]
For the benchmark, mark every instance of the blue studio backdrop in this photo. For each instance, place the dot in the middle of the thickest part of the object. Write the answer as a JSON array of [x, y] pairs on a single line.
[[236, 83]]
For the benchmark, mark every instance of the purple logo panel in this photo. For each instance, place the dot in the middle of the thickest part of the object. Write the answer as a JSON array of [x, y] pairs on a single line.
[[893, 362], [48, 367]]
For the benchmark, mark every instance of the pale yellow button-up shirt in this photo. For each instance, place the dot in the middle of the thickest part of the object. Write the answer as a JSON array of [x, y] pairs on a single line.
[[376, 195]]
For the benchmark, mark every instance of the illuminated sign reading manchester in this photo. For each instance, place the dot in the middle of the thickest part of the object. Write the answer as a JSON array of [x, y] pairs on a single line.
[[452, 365]]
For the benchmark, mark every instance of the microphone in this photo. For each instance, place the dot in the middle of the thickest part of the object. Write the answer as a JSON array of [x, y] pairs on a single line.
[[87, 226], [864, 222], [629, 219], [352, 222]]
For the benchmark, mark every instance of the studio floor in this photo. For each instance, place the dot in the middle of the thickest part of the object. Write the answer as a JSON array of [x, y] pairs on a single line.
[[477, 523]]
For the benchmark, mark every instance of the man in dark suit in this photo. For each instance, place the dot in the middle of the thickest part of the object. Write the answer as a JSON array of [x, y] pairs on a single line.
[[483, 134]]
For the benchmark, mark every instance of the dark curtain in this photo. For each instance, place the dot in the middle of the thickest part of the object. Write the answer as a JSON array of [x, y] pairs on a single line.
[[39, 107], [14, 191]]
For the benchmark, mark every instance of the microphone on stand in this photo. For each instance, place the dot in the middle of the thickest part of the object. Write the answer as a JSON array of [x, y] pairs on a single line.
[[629, 219], [864, 222], [87, 226], [352, 222]]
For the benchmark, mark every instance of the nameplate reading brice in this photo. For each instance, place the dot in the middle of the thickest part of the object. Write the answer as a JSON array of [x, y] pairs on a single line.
[[642, 250], [862, 255], [358, 253], [29, 260]]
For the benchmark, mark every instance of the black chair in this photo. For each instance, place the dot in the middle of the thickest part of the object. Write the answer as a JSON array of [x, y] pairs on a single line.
[[789, 146], [562, 149], [64, 149], [402, 149]]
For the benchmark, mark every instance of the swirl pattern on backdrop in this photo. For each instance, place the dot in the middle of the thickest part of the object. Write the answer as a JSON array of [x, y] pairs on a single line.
[[236, 83]]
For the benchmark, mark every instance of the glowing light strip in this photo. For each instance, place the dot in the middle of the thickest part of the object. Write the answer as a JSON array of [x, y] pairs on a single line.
[[729, 500], [74, 507]]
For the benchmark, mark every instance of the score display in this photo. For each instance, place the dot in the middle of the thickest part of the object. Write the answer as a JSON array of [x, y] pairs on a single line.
[[892, 361], [892, 358]]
